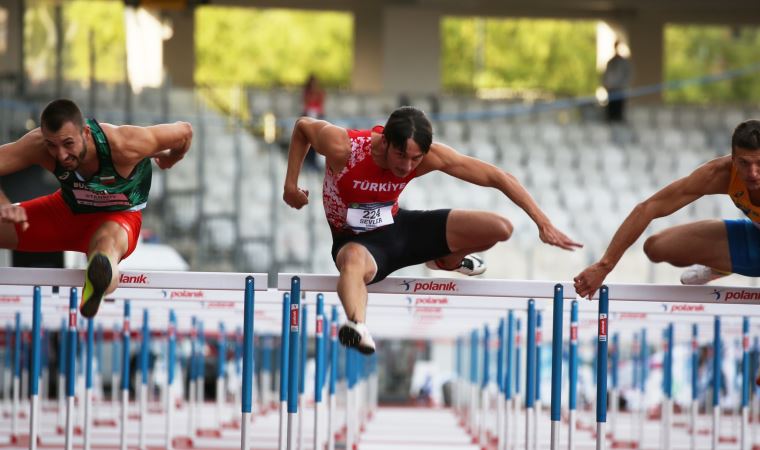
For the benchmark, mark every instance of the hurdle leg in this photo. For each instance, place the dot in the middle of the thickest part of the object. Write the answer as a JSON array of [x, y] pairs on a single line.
[[536, 416], [87, 418], [169, 406], [143, 414], [331, 412], [283, 425], [69, 440], [124, 417], [15, 405], [744, 428], [572, 421], [693, 424]]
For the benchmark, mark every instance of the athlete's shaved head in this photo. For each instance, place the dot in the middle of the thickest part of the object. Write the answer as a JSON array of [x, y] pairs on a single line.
[[59, 112], [746, 135], [408, 122]]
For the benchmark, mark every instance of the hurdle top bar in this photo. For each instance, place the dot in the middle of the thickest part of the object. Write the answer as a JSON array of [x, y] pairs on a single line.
[[134, 279], [533, 289]]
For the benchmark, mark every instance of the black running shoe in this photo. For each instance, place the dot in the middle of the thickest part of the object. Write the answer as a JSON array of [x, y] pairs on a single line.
[[97, 279], [356, 335]]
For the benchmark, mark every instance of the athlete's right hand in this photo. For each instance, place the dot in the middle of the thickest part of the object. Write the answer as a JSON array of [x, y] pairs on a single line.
[[591, 279], [14, 214], [296, 197]]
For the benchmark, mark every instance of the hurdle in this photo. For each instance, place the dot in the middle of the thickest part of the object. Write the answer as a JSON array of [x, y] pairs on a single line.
[[744, 440], [508, 400], [364, 367], [35, 406], [153, 282], [284, 372], [573, 376], [169, 402], [537, 386], [399, 285], [220, 368], [319, 373], [716, 383], [486, 373], [332, 410], [88, 385], [71, 348], [294, 359], [143, 392], [302, 372], [500, 382], [556, 393]]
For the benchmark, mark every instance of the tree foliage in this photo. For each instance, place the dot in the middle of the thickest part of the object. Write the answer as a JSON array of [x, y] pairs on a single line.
[[88, 26], [277, 47], [272, 47], [546, 56], [694, 51]]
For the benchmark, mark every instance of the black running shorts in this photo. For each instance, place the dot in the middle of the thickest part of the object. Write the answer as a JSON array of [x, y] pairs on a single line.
[[414, 238]]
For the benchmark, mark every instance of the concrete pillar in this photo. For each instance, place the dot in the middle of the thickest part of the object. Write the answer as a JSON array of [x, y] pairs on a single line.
[[412, 50], [179, 50], [644, 35], [396, 50], [368, 48], [12, 40]]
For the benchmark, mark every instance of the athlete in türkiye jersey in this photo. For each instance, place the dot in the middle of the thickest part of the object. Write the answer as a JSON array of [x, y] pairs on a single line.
[[366, 171], [105, 174]]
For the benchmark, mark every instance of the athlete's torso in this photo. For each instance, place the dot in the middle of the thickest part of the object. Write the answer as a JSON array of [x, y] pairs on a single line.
[[739, 194], [106, 190], [363, 196]]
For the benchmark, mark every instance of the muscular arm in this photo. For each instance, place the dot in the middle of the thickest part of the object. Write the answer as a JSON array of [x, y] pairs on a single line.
[[168, 143], [328, 140], [710, 178], [25, 152], [446, 159]]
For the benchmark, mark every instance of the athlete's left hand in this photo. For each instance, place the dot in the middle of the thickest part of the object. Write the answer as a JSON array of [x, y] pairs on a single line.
[[552, 236], [167, 159]]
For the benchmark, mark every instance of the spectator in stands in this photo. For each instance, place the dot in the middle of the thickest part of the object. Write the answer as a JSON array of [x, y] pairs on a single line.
[[372, 237], [105, 175], [313, 106], [616, 78], [313, 98], [713, 248]]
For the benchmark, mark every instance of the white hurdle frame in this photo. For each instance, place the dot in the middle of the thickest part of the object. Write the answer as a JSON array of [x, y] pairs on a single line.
[[393, 285], [130, 280]]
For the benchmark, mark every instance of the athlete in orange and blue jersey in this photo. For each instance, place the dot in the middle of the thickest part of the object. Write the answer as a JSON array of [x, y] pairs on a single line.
[[713, 248]]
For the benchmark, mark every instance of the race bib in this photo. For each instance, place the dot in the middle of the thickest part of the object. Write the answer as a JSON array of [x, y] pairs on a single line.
[[363, 217]]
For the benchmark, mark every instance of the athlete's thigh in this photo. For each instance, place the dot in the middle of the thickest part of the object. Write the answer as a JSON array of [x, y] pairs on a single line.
[[359, 255], [120, 229], [703, 242], [112, 231], [467, 229]]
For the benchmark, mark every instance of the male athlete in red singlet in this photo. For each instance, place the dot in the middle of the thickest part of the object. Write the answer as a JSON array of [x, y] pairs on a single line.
[[105, 174], [715, 248], [372, 237]]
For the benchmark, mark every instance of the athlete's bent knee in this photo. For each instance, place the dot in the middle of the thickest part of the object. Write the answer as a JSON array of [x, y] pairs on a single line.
[[653, 249], [351, 255], [505, 229]]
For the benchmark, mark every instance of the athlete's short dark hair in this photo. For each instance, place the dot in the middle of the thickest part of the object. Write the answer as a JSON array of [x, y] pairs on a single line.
[[58, 112], [408, 122], [746, 135]]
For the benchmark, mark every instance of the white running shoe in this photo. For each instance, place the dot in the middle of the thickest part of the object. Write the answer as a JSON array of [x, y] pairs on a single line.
[[356, 335], [698, 274], [471, 265]]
